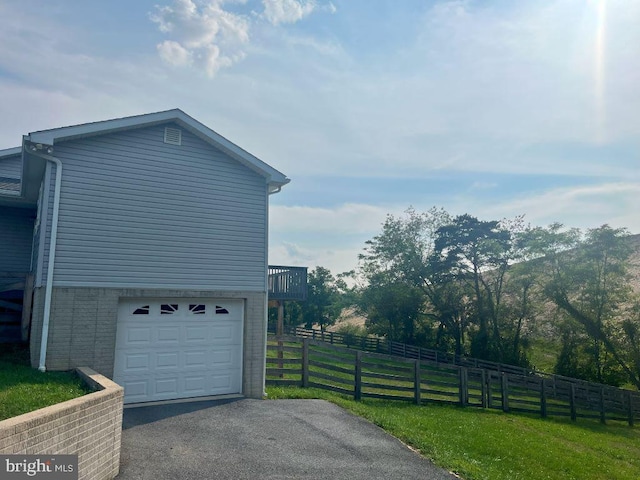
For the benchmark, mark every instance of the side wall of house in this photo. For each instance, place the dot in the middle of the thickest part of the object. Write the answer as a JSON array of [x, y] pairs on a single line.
[[141, 218], [16, 231], [83, 324], [137, 212]]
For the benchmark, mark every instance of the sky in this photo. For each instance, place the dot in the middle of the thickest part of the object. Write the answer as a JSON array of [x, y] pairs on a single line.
[[494, 108]]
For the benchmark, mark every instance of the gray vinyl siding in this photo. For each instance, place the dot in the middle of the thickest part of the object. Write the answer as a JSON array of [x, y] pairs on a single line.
[[10, 174], [11, 167], [136, 212], [16, 232]]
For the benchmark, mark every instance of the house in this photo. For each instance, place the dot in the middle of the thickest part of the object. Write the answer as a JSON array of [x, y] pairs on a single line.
[[142, 245]]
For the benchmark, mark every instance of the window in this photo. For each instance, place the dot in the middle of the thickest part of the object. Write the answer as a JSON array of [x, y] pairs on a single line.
[[142, 310], [197, 308], [221, 310], [168, 308]]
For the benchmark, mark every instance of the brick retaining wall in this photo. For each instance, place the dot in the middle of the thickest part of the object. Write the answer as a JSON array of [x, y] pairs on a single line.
[[89, 426]]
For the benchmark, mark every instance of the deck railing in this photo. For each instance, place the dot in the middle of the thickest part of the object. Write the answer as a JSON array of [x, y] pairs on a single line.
[[287, 283]]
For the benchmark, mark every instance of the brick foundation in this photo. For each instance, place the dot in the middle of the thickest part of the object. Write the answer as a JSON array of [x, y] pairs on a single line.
[[82, 328], [89, 426]]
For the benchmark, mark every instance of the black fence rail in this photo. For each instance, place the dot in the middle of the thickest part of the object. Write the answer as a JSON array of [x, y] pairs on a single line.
[[305, 362], [382, 345]]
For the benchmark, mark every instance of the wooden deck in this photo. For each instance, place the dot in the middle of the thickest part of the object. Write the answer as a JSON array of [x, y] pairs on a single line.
[[287, 283]]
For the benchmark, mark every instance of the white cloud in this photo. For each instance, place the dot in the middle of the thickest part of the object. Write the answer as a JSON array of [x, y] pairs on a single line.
[[584, 206], [205, 34], [208, 35], [329, 237], [174, 54], [336, 260], [348, 218], [287, 11]]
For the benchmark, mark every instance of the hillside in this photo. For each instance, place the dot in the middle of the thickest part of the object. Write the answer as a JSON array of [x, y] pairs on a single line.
[[545, 346], [634, 263]]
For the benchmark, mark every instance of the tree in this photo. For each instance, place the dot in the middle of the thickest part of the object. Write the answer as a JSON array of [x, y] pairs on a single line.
[[393, 309], [477, 252], [585, 276], [292, 317], [479, 255], [323, 305], [459, 265], [400, 258]]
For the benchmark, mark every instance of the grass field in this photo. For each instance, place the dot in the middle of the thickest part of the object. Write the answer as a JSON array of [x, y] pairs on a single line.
[[481, 444], [24, 389]]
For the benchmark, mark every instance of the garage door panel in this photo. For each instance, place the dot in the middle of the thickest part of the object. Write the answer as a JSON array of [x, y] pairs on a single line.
[[164, 386], [197, 334], [179, 348], [195, 359], [225, 334], [137, 336], [137, 361], [168, 335], [195, 385], [137, 390], [219, 382], [168, 360], [223, 358]]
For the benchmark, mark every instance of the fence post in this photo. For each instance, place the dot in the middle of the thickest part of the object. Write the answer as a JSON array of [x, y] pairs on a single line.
[[630, 406], [505, 392], [416, 382], [280, 356], [602, 410], [357, 392], [543, 398], [305, 362], [463, 386], [483, 387], [489, 391], [572, 402]]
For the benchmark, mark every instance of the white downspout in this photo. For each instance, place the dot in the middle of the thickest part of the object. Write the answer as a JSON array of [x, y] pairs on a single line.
[[266, 307], [52, 256]]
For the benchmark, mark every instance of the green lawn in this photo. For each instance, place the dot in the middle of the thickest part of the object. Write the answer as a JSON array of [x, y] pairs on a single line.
[[482, 444], [543, 355], [24, 389]]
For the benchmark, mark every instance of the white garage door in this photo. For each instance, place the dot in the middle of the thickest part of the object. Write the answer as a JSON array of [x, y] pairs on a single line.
[[178, 348]]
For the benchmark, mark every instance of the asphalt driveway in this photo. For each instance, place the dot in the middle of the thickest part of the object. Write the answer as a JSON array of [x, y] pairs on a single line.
[[263, 439]]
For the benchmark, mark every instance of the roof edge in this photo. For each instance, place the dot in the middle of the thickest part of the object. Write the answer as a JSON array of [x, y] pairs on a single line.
[[11, 152], [50, 137]]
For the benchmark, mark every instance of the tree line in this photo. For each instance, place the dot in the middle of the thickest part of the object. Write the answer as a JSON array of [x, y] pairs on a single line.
[[486, 289]]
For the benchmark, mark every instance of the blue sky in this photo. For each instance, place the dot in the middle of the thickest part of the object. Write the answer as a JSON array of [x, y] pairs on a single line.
[[493, 108]]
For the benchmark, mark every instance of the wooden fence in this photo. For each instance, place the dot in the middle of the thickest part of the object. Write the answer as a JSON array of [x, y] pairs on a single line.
[[311, 363], [382, 345]]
